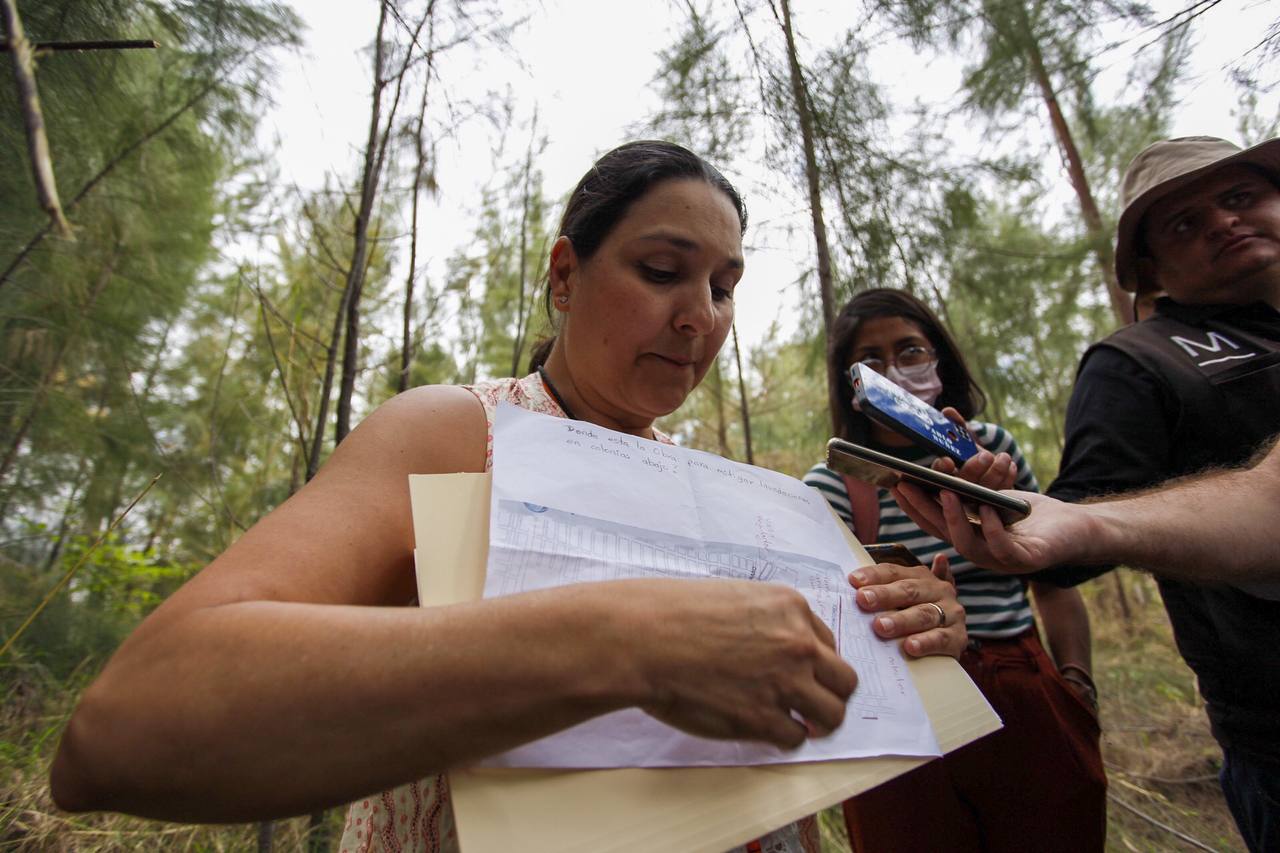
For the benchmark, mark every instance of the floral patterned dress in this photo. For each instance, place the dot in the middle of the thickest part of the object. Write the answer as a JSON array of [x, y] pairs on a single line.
[[418, 817]]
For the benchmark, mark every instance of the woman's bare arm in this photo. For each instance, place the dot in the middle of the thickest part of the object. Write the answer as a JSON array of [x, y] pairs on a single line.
[[268, 686]]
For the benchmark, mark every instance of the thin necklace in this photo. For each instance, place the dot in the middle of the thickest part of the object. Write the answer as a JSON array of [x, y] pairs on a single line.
[[555, 395]]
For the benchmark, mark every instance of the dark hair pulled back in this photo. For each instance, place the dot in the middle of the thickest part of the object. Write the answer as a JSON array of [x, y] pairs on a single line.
[[619, 179], [959, 389]]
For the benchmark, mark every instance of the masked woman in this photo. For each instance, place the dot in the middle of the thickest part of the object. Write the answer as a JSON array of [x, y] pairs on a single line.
[[1038, 783], [291, 674]]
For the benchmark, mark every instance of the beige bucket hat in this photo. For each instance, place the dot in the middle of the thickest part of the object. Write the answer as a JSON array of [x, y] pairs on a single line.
[[1165, 166]]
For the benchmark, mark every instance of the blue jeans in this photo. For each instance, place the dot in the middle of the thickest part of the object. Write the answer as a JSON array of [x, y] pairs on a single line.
[[1252, 787]]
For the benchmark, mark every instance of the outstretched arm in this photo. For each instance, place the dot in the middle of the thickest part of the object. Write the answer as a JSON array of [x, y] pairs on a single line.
[[1220, 526], [290, 675]]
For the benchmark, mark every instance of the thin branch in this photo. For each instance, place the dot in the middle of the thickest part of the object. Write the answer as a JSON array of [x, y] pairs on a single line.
[[110, 166], [213, 408], [742, 398], [334, 263], [74, 46], [24, 73], [1199, 845], [284, 377], [755, 54], [402, 381], [292, 326]]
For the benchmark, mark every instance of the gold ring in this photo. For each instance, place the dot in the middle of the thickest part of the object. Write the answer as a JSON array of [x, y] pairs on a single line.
[[942, 614]]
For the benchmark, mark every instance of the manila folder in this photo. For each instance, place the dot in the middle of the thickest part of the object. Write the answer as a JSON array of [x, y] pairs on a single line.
[[682, 809]]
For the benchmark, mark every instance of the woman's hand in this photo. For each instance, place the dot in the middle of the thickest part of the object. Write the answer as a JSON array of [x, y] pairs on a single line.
[[735, 659], [918, 603], [992, 470]]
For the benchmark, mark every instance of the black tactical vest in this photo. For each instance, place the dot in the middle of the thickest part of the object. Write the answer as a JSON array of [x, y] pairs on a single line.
[[1222, 364]]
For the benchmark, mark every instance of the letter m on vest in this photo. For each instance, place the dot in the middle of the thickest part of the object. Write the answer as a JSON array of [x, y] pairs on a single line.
[[1213, 344]]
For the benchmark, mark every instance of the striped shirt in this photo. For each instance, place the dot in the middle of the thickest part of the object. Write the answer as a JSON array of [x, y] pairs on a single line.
[[995, 605]]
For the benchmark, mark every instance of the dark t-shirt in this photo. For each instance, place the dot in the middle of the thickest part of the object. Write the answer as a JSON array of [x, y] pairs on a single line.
[[1118, 428], [1195, 387]]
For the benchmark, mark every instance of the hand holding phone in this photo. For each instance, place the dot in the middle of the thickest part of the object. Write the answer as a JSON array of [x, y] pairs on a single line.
[[885, 471], [897, 409]]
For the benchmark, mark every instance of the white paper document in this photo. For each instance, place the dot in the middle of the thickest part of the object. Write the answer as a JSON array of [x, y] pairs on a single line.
[[573, 503]]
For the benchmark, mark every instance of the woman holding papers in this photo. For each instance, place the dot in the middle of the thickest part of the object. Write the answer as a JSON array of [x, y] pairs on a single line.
[[291, 675], [988, 795]]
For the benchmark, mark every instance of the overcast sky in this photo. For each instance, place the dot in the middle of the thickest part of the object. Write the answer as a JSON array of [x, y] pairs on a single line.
[[588, 66]]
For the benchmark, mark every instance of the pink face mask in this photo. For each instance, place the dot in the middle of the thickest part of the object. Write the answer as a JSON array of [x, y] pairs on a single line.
[[920, 381]]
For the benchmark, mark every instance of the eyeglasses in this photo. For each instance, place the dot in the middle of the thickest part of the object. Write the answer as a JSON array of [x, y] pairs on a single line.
[[904, 359]]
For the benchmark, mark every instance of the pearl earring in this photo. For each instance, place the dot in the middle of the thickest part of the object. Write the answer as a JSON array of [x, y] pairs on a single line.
[[562, 299]]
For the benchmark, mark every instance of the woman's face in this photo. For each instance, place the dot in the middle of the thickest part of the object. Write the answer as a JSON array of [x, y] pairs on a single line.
[[647, 313], [886, 338]]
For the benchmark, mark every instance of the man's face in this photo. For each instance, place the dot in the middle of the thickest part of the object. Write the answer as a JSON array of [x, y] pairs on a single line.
[[1217, 240]]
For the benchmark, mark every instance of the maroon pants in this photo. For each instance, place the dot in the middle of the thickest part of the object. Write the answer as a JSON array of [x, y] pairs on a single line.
[[1037, 784]]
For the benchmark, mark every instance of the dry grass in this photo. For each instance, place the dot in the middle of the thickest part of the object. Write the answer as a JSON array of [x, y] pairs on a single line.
[[1160, 756], [33, 711], [1161, 759]]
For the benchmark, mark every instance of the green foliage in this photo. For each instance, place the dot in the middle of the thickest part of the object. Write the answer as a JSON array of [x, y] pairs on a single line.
[[158, 341], [1014, 303], [1252, 127], [107, 376], [786, 397], [706, 105], [498, 278], [1012, 42], [113, 586], [1115, 133]]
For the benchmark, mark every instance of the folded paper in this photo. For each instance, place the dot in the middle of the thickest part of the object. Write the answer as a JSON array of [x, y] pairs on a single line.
[[699, 809]]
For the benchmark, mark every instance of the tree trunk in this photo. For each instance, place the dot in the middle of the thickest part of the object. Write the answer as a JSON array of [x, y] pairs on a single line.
[[64, 524], [742, 399], [406, 355], [355, 272], [326, 384], [374, 158], [215, 477], [722, 426], [517, 347], [1121, 302], [799, 95], [266, 829], [1121, 596], [24, 68], [406, 344]]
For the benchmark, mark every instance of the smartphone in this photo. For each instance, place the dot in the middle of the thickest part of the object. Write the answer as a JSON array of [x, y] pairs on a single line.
[[881, 469], [896, 553], [890, 406]]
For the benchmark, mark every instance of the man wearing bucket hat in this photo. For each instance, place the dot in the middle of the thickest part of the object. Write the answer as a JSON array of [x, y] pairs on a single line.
[[1195, 386]]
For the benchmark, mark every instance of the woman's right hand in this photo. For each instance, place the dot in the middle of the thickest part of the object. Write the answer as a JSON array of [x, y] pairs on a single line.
[[736, 659], [992, 470]]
